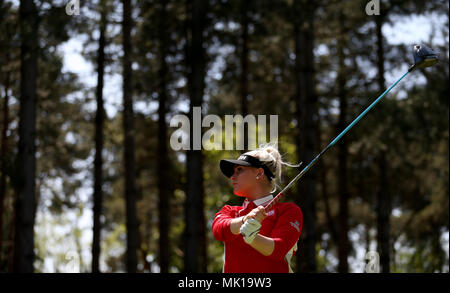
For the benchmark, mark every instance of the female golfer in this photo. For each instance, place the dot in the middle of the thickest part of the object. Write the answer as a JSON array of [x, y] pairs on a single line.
[[256, 241]]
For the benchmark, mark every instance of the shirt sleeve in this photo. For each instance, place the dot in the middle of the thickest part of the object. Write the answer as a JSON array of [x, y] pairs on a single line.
[[287, 230], [221, 224]]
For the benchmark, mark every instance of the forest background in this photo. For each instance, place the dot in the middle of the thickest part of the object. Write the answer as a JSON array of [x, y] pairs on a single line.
[[89, 180]]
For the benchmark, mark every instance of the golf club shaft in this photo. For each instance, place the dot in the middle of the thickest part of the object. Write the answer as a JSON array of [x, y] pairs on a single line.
[[300, 175]]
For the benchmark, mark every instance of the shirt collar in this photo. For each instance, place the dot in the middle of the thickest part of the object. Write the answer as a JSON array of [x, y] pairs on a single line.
[[263, 200]]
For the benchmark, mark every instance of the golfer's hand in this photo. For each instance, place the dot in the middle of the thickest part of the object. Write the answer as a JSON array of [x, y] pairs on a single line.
[[249, 230], [258, 213]]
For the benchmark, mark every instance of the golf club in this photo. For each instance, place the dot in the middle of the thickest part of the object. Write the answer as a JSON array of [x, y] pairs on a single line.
[[423, 57]]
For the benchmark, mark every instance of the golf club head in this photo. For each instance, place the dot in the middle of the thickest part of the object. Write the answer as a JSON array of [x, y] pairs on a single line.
[[423, 57]]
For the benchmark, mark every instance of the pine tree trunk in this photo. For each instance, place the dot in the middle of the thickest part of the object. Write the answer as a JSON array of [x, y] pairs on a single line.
[[129, 154], [11, 234], [343, 250], [384, 209], [383, 213], [306, 138], [98, 160], [3, 152], [163, 159], [195, 247], [328, 215], [244, 68], [26, 165]]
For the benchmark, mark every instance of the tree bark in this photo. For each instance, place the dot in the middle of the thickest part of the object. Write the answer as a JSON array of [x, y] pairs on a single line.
[[26, 164], [163, 158], [195, 238], [4, 150], [344, 248], [306, 138], [244, 58], [244, 68], [129, 153], [99, 140], [383, 206], [328, 215], [383, 213]]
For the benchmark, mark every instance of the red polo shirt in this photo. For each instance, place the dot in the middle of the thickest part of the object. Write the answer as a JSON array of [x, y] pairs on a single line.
[[283, 224]]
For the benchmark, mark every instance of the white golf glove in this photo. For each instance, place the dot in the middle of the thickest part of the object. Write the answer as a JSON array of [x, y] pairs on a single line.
[[250, 229]]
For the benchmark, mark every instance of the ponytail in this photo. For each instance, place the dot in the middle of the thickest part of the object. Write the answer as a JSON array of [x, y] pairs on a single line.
[[270, 156]]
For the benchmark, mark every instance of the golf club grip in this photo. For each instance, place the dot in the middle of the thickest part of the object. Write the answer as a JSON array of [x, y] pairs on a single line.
[[276, 199]]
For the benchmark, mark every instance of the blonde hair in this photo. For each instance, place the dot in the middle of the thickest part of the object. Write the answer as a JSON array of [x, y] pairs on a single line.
[[271, 157]]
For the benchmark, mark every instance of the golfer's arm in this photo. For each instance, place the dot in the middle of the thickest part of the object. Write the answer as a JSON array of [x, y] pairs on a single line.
[[235, 225], [263, 244]]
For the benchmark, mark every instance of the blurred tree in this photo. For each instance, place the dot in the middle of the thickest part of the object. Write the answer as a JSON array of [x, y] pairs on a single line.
[[129, 148], [244, 38], [9, 56], [383, 197], [342, 93], [163, 158], [195, 247], [99, 140], [306, 100], [26, 159]]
